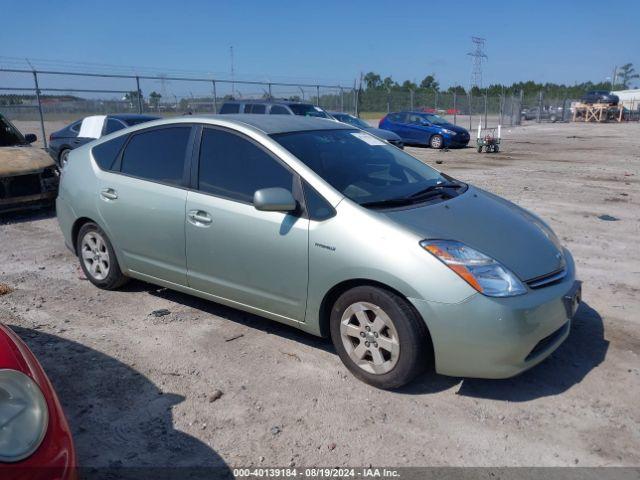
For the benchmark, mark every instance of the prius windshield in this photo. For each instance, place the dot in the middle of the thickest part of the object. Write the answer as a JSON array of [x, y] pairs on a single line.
[[360, 166]]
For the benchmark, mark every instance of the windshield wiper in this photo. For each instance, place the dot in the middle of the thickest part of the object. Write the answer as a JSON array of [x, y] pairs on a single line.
[[433, 189]]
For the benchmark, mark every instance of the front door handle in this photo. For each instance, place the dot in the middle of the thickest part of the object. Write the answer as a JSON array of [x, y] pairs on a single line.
[[199, 218], [109, 194]]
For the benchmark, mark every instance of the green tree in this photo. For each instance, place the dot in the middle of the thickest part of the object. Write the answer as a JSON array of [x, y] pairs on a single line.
[[372, 80], [626, 74], [409, 85], [429, 82], [154, 99], [457, 89], [388, 83]]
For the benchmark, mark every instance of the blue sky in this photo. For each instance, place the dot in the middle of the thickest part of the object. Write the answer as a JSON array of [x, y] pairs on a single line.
[[332, 41]]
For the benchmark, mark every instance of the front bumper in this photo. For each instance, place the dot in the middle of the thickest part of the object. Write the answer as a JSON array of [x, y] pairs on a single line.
[[32, 190], [458, 140], [485, 337]]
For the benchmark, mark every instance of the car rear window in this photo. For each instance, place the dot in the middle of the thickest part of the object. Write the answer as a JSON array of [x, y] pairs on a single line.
[[106, 153], [254, 108], [279, 110], [157, 155], [230, 108], [307, 110]]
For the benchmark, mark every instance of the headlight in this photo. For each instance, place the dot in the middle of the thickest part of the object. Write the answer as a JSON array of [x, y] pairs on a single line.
[[450, 132], [483, 273], [23, 416]]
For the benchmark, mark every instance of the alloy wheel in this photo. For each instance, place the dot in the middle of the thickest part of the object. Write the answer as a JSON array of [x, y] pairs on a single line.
[[370, 337], [95, 255]]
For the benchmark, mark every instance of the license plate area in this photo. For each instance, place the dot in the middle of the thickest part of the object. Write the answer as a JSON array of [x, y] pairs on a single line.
[[572, 299]]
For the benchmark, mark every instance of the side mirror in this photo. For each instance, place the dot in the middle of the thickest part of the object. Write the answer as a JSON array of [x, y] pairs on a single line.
[[274, 200], [30, 138]]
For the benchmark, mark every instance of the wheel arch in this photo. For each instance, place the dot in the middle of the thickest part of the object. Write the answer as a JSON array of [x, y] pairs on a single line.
[[61, 149], [332, 295], [75, 229]]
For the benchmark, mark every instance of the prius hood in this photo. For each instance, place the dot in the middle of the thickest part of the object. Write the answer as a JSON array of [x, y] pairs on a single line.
[[518, 239]]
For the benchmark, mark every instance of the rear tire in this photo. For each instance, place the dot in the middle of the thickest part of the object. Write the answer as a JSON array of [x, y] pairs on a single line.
[[98, 259], [379, 337], [436, 141]]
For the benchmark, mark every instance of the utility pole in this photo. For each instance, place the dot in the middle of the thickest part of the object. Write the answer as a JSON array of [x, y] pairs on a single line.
[[477, 55]]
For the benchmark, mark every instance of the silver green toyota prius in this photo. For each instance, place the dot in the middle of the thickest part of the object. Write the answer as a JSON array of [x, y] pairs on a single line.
[[318, 225]]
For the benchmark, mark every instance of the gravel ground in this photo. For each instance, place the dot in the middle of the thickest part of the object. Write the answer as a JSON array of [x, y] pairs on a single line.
[[209, 385]]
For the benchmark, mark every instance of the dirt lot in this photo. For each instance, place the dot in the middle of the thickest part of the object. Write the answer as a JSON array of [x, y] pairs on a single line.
[[139, 389]]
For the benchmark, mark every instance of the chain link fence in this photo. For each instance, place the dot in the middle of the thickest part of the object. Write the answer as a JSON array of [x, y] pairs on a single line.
[[53, 98]]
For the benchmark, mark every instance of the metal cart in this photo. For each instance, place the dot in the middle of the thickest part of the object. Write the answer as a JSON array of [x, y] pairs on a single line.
[[489, 139]]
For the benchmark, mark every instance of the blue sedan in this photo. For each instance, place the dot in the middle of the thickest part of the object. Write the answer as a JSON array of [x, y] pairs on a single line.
[[419, 128]]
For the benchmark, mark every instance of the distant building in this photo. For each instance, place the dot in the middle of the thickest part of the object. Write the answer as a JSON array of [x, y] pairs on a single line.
[[629, 98]]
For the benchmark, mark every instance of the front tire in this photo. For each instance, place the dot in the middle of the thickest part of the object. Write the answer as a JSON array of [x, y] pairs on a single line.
[[63, 159], [379, 337], [98, 259], [436, 141]]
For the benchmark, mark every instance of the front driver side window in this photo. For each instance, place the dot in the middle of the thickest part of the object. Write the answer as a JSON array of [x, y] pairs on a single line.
[[233, 167]]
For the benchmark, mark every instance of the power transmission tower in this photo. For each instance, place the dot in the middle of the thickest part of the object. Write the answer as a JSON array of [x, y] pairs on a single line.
[[477, 56]]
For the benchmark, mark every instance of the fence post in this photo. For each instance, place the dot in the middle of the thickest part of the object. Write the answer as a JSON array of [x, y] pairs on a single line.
[[215, 97], [411, 98], [501, 107], [356, 102], [436, 102], [388, 100], [270, 96], [455, 110], [485, 110], [44, 135], [139, 94], [539, 106], [513, 100], [519, 117], [470, 98], [317, 95], [341, 99]]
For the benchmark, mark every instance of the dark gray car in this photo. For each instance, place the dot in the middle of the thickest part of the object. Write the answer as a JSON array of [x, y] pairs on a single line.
[[273, 107], [389, 136]]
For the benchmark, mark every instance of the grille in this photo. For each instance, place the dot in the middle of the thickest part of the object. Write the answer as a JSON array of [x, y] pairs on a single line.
[[547, 280], [20, 186]]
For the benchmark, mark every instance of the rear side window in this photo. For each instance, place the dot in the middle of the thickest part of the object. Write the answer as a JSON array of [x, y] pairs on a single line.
[[254, 108], [113, 126], [106, 153], [233, 167], [157, 155], [279, 110], [76, 126], [230, 108]]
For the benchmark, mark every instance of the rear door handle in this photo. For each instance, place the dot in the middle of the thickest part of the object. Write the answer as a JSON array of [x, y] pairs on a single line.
[[199, 218], [109, 194]]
